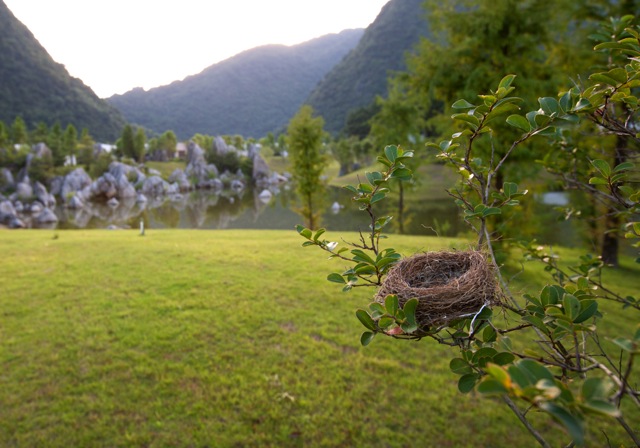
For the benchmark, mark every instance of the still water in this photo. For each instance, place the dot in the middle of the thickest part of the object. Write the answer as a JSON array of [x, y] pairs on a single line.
[[206, 210]]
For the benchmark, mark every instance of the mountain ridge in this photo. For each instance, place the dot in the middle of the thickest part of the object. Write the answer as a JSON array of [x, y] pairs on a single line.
[[39, 89], [251, 93], [362, 74]]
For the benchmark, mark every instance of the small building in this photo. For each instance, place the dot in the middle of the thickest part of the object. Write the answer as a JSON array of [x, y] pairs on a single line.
[[181, 150]]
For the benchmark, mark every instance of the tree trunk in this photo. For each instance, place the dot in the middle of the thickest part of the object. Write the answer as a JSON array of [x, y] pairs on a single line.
[[610, 243], [401, 209]]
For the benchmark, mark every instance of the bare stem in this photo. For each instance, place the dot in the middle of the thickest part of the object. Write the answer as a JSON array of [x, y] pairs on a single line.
[[536, 435]]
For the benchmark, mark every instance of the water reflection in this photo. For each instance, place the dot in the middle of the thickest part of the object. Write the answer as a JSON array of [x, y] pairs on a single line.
[[250, 210]]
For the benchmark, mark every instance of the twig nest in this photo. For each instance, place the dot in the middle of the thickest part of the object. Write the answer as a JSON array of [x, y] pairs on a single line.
[[448, 285]]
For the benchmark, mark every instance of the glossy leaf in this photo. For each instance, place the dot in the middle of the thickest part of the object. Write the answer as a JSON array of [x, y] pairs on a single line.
[[573, 424], [391, 152], [336, 278], [491, 386], [602, 166], [459, 366], [366, 320], [467, 382], [366, 338]]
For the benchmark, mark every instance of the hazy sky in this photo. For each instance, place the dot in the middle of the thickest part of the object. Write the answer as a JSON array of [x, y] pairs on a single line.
[[116, 45]]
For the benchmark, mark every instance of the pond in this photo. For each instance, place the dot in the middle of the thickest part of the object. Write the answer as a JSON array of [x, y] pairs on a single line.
[[206, 210]]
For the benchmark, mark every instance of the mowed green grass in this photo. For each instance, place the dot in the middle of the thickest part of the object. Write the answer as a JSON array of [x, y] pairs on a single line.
[[220, 339]]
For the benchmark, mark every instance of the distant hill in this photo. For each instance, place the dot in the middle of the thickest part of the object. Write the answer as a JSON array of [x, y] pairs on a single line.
[[250, 94], [37, 88], [363, 73]]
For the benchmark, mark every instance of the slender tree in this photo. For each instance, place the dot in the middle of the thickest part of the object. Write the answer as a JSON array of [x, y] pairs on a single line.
[[40, 133], [305, 134], [19, 134], [55, 143], [139, 142], [127, 144], [70, 141], [4, 136]]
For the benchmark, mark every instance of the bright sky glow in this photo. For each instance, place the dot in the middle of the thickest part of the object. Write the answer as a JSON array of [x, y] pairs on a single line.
[[116, 45]]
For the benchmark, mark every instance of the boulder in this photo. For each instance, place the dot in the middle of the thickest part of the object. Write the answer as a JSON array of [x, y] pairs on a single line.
[[6, 178], [75, 202], [261, 172], [141, 199], [113, 202], [16, 223], [179, 177], [7, 211], [237, 185], [104, 187], [220, 146], [154, 186], [24, 191], [46, 216], [36, 207], [77, 180], [42, 195]]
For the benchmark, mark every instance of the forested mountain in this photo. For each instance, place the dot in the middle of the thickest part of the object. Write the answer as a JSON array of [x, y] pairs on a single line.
[[363, 73], [34, 86], [250, 94]]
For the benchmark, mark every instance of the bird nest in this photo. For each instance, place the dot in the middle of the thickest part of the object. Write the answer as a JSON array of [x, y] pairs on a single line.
[[448, 286]]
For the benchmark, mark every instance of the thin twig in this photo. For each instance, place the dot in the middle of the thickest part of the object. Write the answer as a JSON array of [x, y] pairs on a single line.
[[536, 435]]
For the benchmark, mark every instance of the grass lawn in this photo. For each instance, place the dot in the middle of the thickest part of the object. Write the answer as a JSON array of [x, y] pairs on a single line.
[[166, 168], [222, 339]]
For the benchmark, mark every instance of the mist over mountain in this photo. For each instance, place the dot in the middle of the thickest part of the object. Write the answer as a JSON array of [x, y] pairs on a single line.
[[363, 73], [35, 87], [250, 94]]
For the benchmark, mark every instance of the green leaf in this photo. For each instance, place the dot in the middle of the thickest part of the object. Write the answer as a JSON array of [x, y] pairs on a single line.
[[549, 105], [359, 255], [588, 309], [536, 322], [402, 174], [304, 231], [410, 310], [489, 335], [601, 407], [624, 344], [491, 211], [537, 371], [598, 181], [378, 197], [503, 358], [373, 177], [571, 306], [572, 423], [471, 119], [391, 304], [366, 320], [467, 382], [491, 386], [366, 338], [484, 352], [506, 81], [336, 278], [498, 373], [391, 152], [509, 188], [602, 166], [623, 167], [459, 366], [596, 388], [462, 104], [318, 234]]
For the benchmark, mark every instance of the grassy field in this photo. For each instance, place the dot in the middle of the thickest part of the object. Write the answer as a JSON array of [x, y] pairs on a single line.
[[220, 339]]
